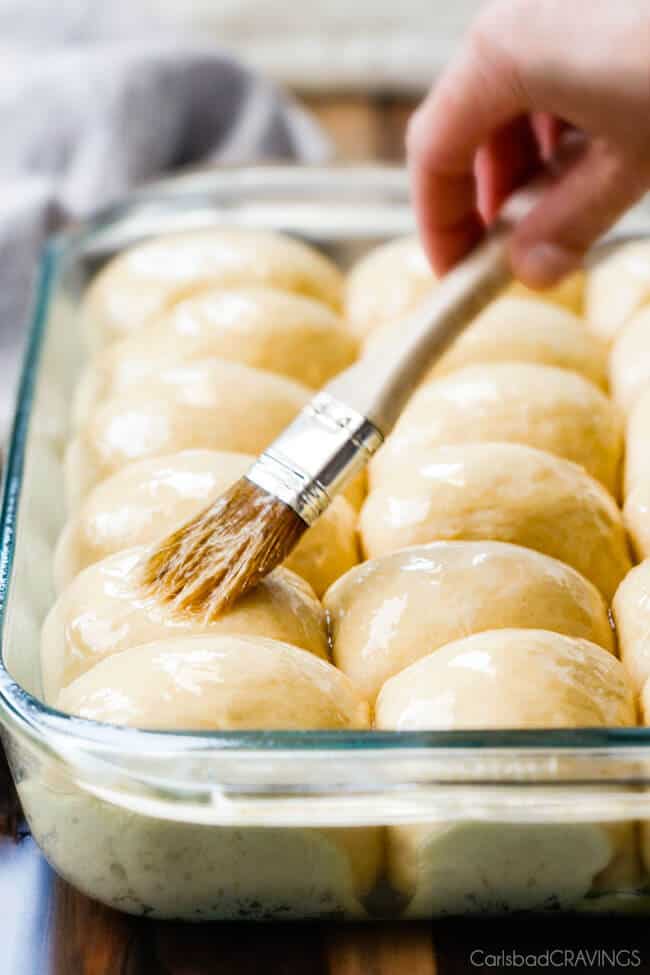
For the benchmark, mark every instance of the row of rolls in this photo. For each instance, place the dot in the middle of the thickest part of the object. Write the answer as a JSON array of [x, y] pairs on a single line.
[[481, 576]]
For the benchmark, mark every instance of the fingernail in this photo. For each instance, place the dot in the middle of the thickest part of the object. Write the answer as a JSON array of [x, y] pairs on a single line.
[[540, 265]]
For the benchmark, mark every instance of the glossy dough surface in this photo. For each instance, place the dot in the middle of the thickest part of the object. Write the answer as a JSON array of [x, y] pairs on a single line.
[[104, 611], [632, 615], [617, 287], [217, 682], [386, 284], [637, 452], [542, 406], [389, 612], [149, 499], [501, 491], [265, 328], [149, 278], [636, 514], [629, 361], [509, 678], [520, 329], [210, 403]]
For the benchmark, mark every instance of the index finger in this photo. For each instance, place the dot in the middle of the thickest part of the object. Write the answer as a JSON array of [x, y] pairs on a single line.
[[478, 93]]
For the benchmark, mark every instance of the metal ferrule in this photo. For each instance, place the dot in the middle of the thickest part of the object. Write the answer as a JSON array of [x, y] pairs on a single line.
[[325, 446]]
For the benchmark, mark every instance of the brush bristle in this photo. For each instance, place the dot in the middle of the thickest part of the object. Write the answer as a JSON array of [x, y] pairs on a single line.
[[213, 560]]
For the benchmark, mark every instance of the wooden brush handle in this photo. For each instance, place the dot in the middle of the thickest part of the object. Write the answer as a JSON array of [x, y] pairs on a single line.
[[380, 383]]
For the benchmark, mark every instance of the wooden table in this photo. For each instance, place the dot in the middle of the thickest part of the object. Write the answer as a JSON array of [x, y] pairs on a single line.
[[47, 928]]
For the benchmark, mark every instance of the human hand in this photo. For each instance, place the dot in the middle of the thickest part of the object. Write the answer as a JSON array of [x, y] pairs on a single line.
[[564, 83]]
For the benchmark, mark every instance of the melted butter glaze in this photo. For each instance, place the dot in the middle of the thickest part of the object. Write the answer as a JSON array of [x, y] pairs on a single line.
[[390, 611], [510, 678], [106, 610]]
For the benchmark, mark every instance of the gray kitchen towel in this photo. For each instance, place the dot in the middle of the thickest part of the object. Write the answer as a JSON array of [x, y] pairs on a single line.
[[82, 125]]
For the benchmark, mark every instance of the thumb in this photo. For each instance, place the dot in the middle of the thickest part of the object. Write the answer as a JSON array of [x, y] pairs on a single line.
[[582, 203]]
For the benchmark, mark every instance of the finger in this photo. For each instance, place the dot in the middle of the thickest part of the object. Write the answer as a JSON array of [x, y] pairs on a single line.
[[477, 95], [507, 160], [584, 201]]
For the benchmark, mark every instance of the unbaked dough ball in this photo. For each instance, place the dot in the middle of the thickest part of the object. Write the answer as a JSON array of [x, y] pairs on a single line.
[[260, 327], [106, 610], [506, 492], [210, 403], [224, 682], [518, 329], [166, 868], [542, 406], [387, 613], [632, 616], [629, 363], [495, 868], [568, 293], [514, 329], [505, 679], [509, 678], [386, 283], [636, 515], [637, 444], [147, 500], [617, 287], [149, 278]]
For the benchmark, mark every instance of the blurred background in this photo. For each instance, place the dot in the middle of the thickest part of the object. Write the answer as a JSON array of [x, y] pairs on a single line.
[[98, 97], [360, 65]]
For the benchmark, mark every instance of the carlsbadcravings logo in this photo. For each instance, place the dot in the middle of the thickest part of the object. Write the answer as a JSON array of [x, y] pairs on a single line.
[[588, 958]]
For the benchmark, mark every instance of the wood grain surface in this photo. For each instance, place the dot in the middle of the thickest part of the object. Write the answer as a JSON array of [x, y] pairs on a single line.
[[47, 928]]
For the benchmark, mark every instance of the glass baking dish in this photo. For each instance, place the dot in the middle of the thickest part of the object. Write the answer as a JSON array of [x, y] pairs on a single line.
[[267, 825]]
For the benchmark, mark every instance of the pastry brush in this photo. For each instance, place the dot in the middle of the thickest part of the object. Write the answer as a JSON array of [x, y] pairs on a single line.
[[227, 549]]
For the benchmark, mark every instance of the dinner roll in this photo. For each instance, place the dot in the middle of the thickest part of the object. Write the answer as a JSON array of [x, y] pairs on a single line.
[[568, 293], [168, 868], [260, 327], [224, 682], [631, 609], [542, 406], [637, 444], [513, 329], [617, 287], [509, 678], [505, 679], [496, 868], [386, 283], [518, 329], [151, 498], [106, 610], [209, 403], [502, 491], [636, 515], [387, 613], [629, 363], [149, 278]]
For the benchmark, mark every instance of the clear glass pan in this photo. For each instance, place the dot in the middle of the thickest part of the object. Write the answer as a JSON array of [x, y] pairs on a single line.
[[264, 782]]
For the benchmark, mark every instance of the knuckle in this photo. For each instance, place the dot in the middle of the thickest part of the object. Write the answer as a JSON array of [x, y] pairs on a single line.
[[491, 48]]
